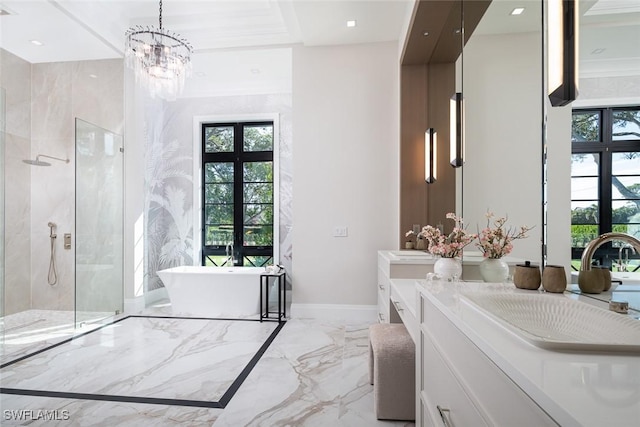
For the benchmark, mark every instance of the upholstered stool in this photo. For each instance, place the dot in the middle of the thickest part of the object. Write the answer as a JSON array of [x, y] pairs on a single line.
[[392, 371]]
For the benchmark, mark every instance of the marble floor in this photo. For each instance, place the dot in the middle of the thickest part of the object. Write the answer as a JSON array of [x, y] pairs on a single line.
[[313, 373]]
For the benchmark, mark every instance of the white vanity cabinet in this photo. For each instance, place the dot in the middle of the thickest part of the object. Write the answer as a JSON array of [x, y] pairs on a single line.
[[458, 385], [392, 267]]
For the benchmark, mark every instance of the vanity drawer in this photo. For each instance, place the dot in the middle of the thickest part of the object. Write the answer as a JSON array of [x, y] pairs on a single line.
[[500, 401], [441, 391], [401, 307]]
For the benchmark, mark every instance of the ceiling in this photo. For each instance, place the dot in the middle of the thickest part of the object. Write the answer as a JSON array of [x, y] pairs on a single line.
[[246, 44], [72, 30]]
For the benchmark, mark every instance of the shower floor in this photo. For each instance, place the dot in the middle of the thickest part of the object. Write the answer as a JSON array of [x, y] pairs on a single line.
[[31, 330]]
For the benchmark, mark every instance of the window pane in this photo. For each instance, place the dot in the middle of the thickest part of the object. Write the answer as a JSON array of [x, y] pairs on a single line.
[[258, 172], [258, 214], [625, 163], [218, 139], [584, 212], [581, 235], [218, 193], [625, 212], [258, 193], [218, 235], [585, 164], [626, 125], [258, 138], [258, 235], [258, 261], [626, 187], [218, 172], [219, 214], [584, 188], [216, 260], [585, 127]]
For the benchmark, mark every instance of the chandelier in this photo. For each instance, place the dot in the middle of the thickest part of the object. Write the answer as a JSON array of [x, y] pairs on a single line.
[[159, 58]]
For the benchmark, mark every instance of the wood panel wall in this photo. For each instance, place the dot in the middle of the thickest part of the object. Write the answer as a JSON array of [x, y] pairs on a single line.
[[425, 91]]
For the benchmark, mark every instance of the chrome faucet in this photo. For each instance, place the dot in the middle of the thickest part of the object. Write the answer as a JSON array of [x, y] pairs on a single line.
[[624, 249], [229, 252], [590, 249], [592, 281]]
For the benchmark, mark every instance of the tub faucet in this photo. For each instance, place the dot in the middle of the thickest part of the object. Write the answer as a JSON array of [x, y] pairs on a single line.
[[230, 254], [624, 249]]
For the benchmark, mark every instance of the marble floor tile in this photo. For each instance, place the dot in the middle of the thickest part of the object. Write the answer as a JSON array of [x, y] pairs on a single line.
[[32, 330], [314, 373]]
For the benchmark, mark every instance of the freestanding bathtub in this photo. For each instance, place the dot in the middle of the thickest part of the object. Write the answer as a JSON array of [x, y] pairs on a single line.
[[226, 292]]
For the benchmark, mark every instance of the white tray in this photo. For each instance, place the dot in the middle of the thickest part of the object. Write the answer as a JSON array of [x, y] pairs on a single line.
[[556, 322]]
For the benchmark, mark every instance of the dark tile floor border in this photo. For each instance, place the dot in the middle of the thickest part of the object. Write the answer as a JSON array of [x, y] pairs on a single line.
[[220, 404]]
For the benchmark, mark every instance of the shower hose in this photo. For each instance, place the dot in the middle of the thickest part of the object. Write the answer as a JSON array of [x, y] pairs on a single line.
[[52, 277]]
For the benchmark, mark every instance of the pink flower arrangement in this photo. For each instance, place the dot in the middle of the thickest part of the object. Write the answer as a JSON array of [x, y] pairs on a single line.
[[451, 245], [497, 242]]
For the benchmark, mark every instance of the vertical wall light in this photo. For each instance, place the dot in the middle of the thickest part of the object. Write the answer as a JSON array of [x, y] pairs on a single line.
[[562, 47], [456, 131], [430, 156]]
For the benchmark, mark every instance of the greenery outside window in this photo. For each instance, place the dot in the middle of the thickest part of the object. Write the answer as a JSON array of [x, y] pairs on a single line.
[[605, 180], [237, 193]]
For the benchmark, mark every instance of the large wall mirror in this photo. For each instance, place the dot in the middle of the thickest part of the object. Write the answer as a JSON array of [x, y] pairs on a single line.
[[510, 123], [502, 85]]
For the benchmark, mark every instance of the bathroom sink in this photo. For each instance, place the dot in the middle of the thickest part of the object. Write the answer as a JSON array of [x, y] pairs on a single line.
[[411, 254], [555, 322]]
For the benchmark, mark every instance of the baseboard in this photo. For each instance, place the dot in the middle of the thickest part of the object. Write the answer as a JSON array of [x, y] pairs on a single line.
[[138, 304], [343, 312]]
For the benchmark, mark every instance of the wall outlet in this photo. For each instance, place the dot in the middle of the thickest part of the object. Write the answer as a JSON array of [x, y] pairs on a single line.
[[340, 231]]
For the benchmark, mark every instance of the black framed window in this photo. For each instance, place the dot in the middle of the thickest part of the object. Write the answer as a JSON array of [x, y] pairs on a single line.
[[237, 193], [605, 180]]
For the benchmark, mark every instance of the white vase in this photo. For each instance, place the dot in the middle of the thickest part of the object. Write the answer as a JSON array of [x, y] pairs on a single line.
[[494, 270], [448, 268]]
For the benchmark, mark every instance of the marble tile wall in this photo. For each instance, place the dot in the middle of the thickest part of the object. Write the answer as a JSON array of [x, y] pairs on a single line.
[[43, 101], [15, 78]]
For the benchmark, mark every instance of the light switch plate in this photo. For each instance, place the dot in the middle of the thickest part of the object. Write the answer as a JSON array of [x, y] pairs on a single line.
[[340, 231]]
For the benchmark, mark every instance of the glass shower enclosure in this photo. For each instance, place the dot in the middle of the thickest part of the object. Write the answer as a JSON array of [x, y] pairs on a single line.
[[99, 222]]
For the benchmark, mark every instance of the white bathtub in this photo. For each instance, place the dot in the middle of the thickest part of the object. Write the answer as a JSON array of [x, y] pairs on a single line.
[[213, 291]]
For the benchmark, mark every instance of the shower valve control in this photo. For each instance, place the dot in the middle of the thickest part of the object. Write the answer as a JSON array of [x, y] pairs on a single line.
[[67, 240]]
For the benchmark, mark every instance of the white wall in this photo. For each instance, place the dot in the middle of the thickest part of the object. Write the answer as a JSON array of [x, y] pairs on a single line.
[[345, 132], [502, 171]]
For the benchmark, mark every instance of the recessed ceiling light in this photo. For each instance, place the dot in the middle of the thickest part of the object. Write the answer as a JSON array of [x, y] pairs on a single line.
[[93, 76], [255, 71], [598, 51], [352, 23], [517, 11], [36, 42]]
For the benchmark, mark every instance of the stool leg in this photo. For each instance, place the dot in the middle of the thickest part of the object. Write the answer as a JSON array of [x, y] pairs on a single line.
[[371, 358]]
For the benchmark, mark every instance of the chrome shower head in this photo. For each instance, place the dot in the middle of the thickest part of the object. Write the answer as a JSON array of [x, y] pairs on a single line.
[[36, 162]]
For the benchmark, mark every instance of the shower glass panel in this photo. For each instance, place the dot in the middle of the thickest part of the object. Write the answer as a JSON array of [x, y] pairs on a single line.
[[2, 144], [99, 222]]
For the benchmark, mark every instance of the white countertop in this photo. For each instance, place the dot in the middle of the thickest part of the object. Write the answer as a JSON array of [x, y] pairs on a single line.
[[575, 389], [412, 256]]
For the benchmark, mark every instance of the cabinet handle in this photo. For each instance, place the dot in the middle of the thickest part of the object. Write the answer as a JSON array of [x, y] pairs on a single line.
[[444, 414], [397, 305], [381, 287]]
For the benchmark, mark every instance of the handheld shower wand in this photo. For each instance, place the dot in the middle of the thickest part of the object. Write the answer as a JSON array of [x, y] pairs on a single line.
[[52, 277]]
